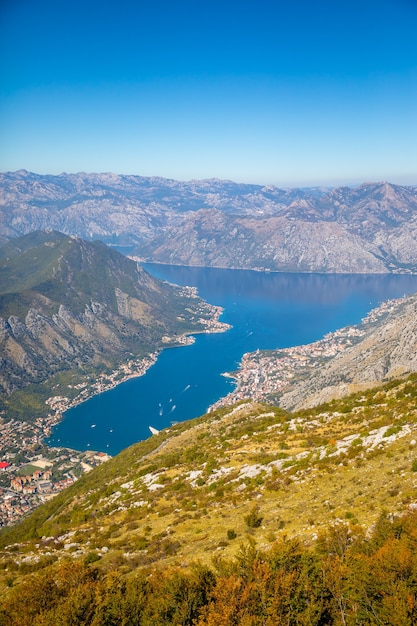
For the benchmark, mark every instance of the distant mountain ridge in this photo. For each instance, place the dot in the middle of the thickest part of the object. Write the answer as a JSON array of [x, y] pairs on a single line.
[[367, 229]]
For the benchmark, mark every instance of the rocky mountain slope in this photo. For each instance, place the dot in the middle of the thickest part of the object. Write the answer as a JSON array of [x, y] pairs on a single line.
[[382, 347], [198, 523], [387, 349], [70, 309], [371, 228]]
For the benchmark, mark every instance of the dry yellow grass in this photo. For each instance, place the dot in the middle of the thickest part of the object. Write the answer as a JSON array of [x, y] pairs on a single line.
[[189, 498]]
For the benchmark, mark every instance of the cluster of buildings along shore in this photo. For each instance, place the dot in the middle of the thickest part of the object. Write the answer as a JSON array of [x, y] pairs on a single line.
[[266, 374], [31, 472]]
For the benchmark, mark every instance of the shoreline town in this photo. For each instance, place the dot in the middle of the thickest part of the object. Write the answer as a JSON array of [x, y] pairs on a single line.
[[265, 375], [32, 472]]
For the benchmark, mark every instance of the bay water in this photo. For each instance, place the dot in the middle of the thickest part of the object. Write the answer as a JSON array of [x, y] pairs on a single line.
[[266, 311]]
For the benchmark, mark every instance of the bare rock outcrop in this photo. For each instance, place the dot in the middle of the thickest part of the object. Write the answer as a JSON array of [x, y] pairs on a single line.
[[371, 228]]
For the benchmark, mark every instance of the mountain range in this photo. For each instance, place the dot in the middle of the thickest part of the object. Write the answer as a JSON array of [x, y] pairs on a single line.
[[371, 228], [251, 514]]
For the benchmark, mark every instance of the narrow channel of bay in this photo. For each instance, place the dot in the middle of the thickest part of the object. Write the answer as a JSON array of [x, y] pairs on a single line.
[[266, 310]]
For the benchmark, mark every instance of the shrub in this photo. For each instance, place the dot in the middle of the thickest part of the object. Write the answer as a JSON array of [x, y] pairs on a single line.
[[91, 557], [253, 519], [392, 430]]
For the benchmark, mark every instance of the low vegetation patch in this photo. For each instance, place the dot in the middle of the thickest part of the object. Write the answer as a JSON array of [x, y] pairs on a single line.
[[249, 475], [346, 578]]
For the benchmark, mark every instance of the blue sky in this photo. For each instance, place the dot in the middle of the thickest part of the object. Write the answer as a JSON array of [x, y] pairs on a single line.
[[288, 93]]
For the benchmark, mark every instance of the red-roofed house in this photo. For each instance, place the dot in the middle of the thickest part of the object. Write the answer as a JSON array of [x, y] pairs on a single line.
[[3, 465]]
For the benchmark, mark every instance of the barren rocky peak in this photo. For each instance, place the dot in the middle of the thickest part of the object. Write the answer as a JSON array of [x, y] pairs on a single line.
[[222, 223]]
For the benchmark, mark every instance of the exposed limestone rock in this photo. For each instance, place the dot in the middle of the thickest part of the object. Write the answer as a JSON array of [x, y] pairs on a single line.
[[368, 229], [69, 311]]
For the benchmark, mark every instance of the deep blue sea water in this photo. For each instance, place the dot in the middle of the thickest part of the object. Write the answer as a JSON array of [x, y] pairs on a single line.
[[266, 310]]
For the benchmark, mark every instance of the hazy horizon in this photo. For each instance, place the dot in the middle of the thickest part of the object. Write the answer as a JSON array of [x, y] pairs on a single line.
[[270, 93], [215, 178]]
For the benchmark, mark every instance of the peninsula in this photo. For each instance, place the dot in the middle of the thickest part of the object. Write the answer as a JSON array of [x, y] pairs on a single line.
[[342, 362]]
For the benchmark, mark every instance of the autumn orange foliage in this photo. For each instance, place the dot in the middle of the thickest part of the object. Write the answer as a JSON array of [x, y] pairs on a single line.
[[345, 579]]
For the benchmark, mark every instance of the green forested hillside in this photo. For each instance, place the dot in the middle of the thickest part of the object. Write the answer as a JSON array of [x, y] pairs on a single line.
[[70, 309]]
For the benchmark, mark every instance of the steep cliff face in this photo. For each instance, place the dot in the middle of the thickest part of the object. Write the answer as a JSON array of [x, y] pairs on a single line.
[[66, 304], [371, 228]]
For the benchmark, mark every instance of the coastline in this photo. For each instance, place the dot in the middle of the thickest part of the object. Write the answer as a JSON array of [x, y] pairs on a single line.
[[25, 435], [134, 368], [266, 375], [19, 497], [103, 383]]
